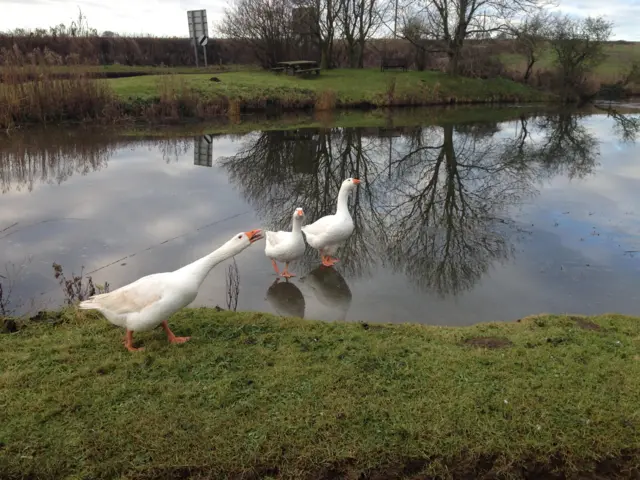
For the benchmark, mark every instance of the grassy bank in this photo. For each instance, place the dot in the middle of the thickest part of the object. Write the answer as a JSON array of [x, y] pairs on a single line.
[[175, 97], [255, 396], [333, 88]]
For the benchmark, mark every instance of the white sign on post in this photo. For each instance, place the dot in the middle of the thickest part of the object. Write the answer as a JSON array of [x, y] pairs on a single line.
[[197, 23], [198, 31]]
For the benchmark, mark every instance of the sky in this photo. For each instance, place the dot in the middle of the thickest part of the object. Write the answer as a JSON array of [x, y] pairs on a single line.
[[169, 18]]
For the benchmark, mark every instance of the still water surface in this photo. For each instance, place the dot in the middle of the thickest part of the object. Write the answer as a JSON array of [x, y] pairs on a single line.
[[455, 224]]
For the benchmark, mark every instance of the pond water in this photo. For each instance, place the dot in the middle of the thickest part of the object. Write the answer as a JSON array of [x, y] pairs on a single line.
[[456, 223]]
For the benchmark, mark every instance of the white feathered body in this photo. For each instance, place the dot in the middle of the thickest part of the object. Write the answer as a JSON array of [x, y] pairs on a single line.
[[147, 302], [150, 300], [284, 246], [330, 232]]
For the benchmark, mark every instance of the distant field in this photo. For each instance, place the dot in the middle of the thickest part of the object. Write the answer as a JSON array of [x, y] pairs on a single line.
[[620, 57]]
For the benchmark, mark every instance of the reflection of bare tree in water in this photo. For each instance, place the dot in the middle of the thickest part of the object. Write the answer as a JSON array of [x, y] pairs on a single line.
[[279, 171], [172, 148], [568, 147], [435, 203], [50, 158], [55, 156], [447, 208]]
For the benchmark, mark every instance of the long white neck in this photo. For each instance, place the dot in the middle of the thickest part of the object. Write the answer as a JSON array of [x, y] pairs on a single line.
[[199, 269], [297, 224], [343, 197]]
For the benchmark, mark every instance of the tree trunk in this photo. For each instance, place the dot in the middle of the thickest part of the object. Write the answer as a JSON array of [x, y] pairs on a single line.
[[361, 53], [454, 61], [353, 58], [530, 63], [324, 58]]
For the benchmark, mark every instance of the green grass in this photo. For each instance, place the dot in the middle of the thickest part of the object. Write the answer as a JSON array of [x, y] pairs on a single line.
[[351, 88], [267, 397]]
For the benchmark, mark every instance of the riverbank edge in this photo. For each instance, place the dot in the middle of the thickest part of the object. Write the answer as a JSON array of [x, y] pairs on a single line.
[[178, 98], [136, 114], [277, 353], [386, 118]]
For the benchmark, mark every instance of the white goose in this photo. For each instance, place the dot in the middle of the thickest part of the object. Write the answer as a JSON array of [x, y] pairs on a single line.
[[286, 246], [150, 300], [329, 232]]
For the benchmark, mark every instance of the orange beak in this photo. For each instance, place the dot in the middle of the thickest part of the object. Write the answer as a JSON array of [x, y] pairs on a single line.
[[254, 235], [300, 212], [356, 181]]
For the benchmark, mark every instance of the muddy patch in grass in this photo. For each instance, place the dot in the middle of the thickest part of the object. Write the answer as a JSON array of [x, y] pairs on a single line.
[[585, 324], [8, 325], [488, 342], [485, 466]]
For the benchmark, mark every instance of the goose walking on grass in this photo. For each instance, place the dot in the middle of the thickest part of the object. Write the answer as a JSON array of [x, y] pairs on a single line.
[[286, 246], [329, 232], [151, 300]]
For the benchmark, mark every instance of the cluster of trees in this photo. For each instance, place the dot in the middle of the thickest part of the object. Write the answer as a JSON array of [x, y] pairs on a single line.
[[275, 28]]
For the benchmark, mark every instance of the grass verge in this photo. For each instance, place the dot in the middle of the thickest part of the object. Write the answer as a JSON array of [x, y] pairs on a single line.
[[345, 88], [48, 98], [256, 396]]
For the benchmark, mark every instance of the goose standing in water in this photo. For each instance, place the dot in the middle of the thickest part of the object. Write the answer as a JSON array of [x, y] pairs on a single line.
[[329, 232], [286, 246], [151, 300]]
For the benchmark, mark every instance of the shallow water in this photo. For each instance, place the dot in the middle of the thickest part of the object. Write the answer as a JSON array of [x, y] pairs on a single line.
[[455, 224]]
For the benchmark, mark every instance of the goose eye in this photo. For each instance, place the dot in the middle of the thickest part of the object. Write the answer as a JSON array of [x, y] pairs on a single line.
[[239, 236]]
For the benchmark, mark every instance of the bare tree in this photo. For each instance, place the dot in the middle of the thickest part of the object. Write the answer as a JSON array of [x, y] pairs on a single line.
[[358, 21], [324, 24], [413, 30], [264, 24], [451, 22], [578, 45], [530, 38]]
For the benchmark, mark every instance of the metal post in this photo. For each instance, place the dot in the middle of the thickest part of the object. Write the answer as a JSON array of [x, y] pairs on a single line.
[[204, 49], [395, 20], [195, 50]]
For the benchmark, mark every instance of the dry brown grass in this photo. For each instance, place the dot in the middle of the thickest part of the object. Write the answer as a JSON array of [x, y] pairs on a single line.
[[46, 99], [326, 100], [30, 92]]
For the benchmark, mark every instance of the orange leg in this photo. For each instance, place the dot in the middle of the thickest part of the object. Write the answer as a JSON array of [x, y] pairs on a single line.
[[128, 342], [172, 338], [275, 267], [285, 272], [327, 261]]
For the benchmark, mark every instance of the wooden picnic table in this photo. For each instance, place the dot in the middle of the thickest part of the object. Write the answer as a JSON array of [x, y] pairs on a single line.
[[298, 66]]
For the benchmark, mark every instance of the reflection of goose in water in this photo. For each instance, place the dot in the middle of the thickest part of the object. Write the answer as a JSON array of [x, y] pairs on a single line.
[[286, 299], [331, 290]]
